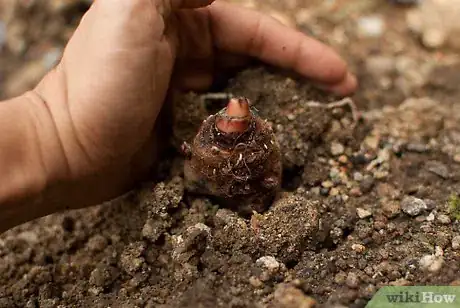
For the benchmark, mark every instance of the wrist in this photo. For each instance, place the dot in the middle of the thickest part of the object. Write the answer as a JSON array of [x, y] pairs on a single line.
[[46, 139], [30, 159]]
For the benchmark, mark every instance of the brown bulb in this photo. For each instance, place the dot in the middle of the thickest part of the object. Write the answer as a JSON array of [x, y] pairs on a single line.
[[235, 158]]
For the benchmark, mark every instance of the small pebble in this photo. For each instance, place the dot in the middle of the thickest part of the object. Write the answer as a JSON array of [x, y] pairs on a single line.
[[430, 217], [380, 174], [457, 158], [431, 263], [413, 206], [324, 191], [334, 192], [315, 191], [269, 263], [367, 184], [372, 142], [359, 159], [438, 168], [337, 148], [291, 117], [334, 173], [358, 248], [391, 208], [417, 147], [433, 38], [31, 303], [371, 26], [400, 282], [343, 159], [352, 280], [358, 176], [444, 219], [363, 213], [327, 184], [356, 192], [438, 251], [456, 242]]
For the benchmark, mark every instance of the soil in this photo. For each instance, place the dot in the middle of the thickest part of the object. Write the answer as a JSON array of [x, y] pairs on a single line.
[[369, 198]]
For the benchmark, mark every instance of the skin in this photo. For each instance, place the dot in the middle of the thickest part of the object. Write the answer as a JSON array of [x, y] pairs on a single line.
[[86, 133]]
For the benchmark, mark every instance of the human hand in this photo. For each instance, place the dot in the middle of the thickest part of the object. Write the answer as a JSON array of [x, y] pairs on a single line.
[[105, 95]]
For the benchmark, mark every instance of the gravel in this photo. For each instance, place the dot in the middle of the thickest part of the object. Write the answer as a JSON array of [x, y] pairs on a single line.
[[363, 213], [371, 26], [456, 242], [352, 280], [337, 148], [431, 263], [444, 219], [413, 206], [438, 168]]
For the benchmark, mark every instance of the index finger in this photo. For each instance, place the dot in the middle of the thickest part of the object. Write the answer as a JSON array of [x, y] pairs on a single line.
[[245, 31]]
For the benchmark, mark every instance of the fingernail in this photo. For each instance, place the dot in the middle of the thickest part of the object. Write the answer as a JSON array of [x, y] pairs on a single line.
[[345, 87]]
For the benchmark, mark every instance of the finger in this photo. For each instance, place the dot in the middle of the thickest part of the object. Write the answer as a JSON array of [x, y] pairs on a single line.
[[244, 31], [189, 4], [346, 87], [195, 41]]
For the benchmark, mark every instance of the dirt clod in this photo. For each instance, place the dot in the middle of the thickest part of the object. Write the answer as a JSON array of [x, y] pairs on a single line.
[[290, 297], [288, 228]]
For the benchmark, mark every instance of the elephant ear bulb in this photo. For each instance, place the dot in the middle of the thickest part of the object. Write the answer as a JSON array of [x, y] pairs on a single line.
[[235, 159]]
